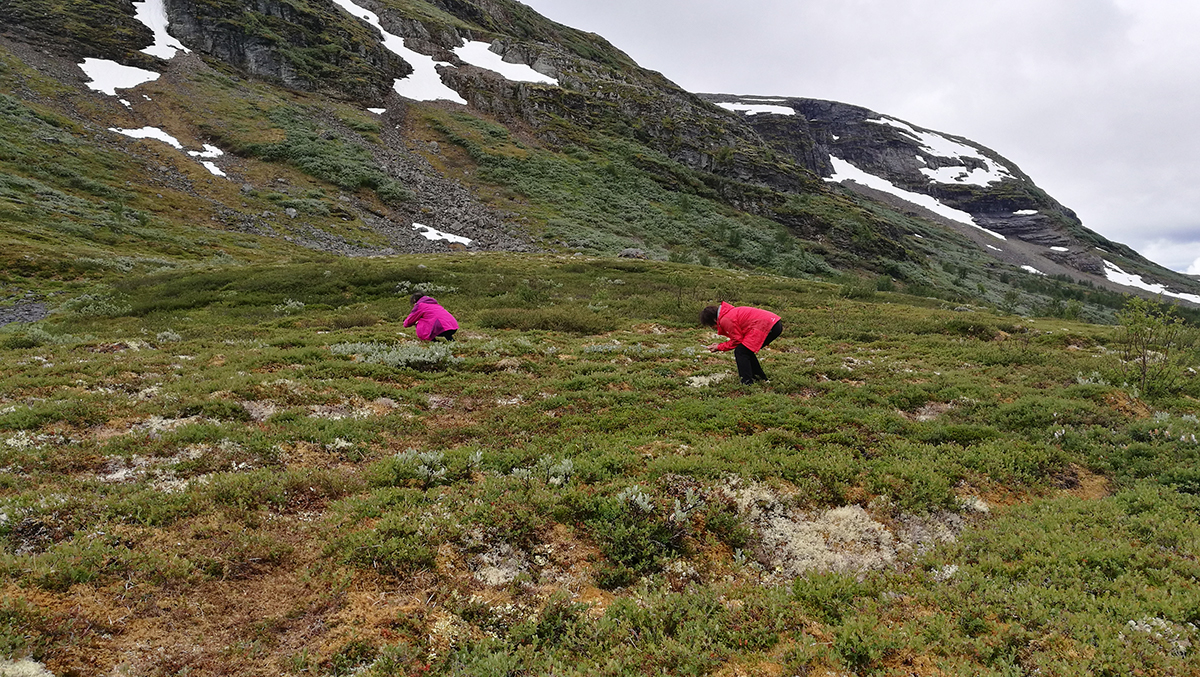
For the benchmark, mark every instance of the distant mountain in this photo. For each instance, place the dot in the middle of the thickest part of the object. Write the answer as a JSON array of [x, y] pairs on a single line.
[[167, 133], [951, 180]]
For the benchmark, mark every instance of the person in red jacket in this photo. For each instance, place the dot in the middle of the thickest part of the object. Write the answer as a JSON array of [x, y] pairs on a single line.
[[432, 320], [748, 330]]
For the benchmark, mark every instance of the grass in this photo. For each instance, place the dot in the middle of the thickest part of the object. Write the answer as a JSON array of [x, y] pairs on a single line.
[[558, 497]]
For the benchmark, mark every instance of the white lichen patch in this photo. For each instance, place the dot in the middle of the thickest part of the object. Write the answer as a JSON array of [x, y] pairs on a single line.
[[846, 539], [930, 412], [945, 573], [259, 410], [446, 632], [441, 402], [138, 467], [1177, 639], [705, 381], [158, 424], [23, 668], [501, 564], [974, 504], [25, 440]]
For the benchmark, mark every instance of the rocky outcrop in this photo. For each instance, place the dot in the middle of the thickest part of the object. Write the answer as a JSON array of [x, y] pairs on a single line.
[[314, 46]]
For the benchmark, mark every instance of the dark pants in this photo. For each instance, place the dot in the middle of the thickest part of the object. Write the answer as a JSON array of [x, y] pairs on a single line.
[[448, 335], [749, 370]]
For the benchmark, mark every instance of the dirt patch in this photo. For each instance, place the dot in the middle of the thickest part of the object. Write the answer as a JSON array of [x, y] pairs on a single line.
[[1082, 483]]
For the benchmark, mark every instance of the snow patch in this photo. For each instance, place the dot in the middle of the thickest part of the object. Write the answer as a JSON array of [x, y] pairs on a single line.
[[1115, 274], [434, 234], [213, 168], [208, 152], [378, 111], [936, 145], [424, 83], [1026, 212], [1059, 249], [1031, 269], [159, 135], [844, 171], [153, 14], [109, 76], [480, 54], [996, 248], [756, 108], [149, 133]]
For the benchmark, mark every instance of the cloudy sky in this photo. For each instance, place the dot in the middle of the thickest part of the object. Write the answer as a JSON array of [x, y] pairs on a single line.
[[1096, 100]]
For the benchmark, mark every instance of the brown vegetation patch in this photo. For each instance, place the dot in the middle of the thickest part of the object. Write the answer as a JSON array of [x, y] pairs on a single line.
[[1081, 483], [1128, 405]]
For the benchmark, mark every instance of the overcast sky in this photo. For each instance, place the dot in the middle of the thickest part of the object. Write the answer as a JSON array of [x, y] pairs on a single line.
[[1097, 101]]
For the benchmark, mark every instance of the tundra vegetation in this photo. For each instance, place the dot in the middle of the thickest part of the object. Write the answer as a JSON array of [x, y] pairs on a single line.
[[221, 453], [256, 470]]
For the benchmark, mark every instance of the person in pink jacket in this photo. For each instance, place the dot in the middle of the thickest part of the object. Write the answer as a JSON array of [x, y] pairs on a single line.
[[748, 330], [432, 320]]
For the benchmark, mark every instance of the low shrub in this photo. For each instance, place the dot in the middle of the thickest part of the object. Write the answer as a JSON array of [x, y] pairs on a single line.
[[402, 355], [566, 319]]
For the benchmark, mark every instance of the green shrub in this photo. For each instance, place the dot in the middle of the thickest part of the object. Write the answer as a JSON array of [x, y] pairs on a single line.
[[397, 545], [830, 595], [220, 410], [862, 643], [566, 319]]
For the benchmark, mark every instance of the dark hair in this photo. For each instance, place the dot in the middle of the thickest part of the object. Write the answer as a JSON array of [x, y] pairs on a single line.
[[415, 297], [708, 316]]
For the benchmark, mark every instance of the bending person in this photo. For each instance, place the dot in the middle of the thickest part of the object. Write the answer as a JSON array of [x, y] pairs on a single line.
[[432, 320], [748, 330]]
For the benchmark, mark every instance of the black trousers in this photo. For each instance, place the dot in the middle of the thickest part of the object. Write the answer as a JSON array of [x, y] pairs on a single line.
[[749, 370], [448, 335]]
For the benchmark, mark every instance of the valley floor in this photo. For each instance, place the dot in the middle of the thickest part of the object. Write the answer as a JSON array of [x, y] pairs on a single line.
[[257, 470]]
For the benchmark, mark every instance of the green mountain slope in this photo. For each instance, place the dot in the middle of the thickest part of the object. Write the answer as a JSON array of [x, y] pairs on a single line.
[[612, 158]]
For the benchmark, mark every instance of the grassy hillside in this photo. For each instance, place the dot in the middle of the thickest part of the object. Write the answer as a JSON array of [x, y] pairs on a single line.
[[256, 470], [80, 202]]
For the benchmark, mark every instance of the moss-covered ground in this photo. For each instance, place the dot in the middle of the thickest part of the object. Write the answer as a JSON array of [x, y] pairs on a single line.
[[256, 470]]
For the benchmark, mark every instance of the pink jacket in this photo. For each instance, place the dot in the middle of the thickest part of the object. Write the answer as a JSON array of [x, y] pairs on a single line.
[[745, 326], [431, 319]]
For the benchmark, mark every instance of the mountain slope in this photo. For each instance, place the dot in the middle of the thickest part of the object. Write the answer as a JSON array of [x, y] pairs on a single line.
[[956, 179], [385, 127]]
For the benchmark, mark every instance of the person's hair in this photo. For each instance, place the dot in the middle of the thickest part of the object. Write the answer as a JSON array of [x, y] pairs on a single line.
[[708, 316], [415, 297]]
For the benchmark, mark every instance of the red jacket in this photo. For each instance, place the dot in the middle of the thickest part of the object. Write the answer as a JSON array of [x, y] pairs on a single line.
[[745, 326]]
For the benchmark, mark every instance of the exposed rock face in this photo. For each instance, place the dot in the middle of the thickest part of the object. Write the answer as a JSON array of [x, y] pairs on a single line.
[[313, 46]]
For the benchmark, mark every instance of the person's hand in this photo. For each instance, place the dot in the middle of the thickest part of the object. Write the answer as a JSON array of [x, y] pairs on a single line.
[[712, 347]]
